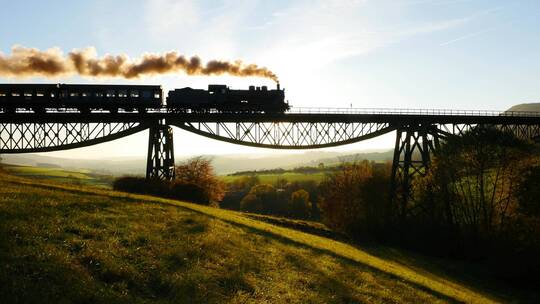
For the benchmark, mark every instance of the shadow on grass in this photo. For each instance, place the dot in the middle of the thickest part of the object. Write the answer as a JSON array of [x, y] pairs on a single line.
[[286, 240]]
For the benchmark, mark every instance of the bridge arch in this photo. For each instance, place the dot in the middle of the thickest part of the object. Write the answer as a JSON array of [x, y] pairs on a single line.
[[47, 137], [288, 135]]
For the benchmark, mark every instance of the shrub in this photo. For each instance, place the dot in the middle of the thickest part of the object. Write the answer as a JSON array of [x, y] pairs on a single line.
[[299, 204]]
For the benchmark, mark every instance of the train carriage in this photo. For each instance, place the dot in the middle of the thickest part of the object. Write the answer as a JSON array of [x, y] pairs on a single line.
[[110, 97], [35, 97], [84, 98]]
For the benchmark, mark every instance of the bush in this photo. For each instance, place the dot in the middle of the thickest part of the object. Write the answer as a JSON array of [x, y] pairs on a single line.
[[189, 192], [299, 204], [176, 190]]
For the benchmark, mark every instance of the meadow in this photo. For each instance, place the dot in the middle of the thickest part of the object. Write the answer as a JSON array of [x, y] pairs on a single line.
[[61, 175], [78, 243], [272, 179]]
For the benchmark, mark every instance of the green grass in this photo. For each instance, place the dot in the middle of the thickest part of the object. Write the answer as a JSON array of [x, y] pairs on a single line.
[[59, 175], [272, 178], [83, 244]]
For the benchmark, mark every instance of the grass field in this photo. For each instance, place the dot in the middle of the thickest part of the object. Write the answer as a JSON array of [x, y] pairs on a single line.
[[68, 243], [272, 178], [59, 175]]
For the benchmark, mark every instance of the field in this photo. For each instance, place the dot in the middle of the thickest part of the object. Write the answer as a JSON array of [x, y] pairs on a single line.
[[61, 243], [60, 175], [273, 178]]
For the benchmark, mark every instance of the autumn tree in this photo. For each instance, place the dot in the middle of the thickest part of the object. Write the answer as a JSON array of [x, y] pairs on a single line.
[[236, 190], [259, 198], [472, 182], [198, 171], [354, 197]]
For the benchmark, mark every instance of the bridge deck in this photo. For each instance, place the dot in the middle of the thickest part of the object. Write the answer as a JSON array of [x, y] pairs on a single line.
[[315, 115]]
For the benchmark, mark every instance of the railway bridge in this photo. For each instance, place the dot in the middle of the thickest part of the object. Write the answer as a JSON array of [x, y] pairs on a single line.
[[418, 132]]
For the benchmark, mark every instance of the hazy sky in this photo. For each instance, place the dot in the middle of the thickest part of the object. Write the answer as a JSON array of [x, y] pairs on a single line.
[[457, 54]]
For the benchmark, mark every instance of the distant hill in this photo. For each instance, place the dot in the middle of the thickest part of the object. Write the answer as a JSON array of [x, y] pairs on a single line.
[[371, 156], [223, 164], [526, 107]]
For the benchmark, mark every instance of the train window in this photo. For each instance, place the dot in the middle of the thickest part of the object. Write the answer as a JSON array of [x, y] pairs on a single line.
[[110, 93], [211, 92], [73, 94], [157, 95], [40, 94], [122, 93], [134, 94], [2, 94], [15, 94], [243, 101], [146, 94], [64, 94], [99, 94], [28, 94], [84, 94], [52, 94]]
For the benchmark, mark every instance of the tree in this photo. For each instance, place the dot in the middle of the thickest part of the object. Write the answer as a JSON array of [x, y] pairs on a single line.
[[528, 192], [259, 199], [299, 204], [236, 190], [472, 181], [354, 197], [198, 171]]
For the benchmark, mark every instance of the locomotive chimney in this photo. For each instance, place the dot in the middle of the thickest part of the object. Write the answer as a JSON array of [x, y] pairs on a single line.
[[278, 86]]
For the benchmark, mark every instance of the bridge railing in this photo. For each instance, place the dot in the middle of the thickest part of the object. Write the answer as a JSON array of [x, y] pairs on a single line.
[[324, 110], [389, 111]]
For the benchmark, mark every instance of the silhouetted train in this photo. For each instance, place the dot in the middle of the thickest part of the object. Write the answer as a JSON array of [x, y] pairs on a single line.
[[86, 98]]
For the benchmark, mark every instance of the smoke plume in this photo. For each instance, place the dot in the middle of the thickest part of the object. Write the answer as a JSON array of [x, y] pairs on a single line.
[[29, 62]]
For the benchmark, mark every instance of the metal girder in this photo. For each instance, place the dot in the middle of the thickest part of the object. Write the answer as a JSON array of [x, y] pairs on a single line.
[[44, 137], [523, 131], [288, 135], [160, 158], [412, 156]]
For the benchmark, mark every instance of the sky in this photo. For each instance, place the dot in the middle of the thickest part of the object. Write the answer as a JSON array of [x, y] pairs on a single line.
[[435, 54]]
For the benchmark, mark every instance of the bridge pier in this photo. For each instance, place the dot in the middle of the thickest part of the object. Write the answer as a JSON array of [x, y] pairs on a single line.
[[160, 158], [414, 143]]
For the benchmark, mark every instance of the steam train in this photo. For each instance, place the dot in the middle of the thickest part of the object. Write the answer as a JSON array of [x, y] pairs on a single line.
[[41, 98]]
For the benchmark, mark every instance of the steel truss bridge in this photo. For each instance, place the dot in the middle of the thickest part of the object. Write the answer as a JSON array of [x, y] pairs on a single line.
[[418, 132]]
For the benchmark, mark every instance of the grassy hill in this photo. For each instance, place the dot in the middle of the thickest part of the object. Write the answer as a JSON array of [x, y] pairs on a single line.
[[527, 107], [68, 243], [60, 175]]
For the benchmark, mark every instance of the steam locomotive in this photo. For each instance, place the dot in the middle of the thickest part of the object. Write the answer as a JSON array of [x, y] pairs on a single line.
[[41, 98]]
